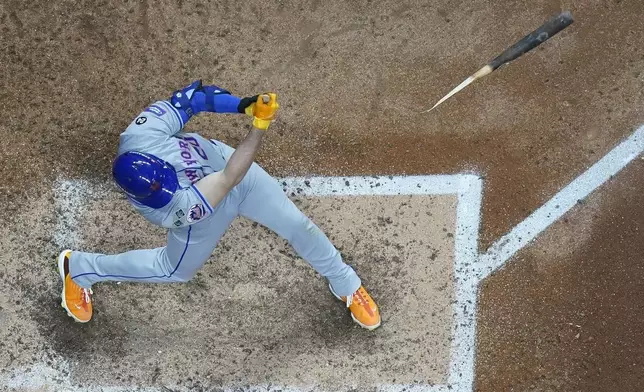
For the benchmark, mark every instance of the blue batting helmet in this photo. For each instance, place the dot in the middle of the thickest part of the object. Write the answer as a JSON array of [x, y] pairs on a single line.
[[145, 178]]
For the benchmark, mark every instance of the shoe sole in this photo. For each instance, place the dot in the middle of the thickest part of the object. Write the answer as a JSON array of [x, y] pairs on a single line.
[[355, 320], [61, 271]]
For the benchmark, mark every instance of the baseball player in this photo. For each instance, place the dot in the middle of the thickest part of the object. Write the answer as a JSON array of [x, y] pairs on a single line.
[[195, 187]]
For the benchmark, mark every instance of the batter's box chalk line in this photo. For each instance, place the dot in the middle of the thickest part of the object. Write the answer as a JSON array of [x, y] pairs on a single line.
[[470, 267], [525, 232], [70, 197]]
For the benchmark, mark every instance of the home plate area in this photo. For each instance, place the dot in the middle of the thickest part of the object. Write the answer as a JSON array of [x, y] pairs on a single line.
[[258, 318]]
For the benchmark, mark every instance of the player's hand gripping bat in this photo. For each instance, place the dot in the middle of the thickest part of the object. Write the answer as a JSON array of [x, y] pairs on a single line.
[[527, 43]]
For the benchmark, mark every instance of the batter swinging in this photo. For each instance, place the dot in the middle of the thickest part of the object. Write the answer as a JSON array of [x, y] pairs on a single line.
[[195, 187]]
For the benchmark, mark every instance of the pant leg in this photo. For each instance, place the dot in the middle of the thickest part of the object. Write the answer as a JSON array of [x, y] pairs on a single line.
[[264, 202], [187, 250]]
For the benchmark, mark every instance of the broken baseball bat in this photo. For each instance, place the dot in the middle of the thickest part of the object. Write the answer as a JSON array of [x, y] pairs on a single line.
[[526, 44]]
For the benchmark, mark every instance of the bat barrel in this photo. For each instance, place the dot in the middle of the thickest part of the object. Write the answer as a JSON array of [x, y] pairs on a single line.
[[534, 39]]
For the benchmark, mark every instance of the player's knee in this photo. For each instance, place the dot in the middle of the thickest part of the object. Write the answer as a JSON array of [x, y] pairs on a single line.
[[183, 276], [176, 270], [302, 224], [182, 273]]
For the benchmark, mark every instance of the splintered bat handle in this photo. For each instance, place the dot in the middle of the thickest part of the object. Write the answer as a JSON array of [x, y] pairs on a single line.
[[534, 39]]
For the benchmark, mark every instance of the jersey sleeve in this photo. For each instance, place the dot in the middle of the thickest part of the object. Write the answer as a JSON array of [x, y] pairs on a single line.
[[158, 121], [187, 207]]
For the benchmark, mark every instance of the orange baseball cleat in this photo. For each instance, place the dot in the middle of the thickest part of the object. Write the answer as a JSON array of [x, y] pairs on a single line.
[[76, 300], [364, 310]]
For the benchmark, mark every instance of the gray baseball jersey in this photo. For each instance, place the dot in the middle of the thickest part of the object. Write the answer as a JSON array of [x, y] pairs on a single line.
[[195, 226], [157, 131]]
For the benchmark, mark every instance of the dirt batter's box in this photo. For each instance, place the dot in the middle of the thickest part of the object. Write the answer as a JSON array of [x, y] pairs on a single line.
[[257, 317]]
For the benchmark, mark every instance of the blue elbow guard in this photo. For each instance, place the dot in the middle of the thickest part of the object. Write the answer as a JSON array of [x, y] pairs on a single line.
[[196, 98]]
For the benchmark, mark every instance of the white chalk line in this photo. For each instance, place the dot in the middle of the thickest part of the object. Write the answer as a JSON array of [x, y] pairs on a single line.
[[526, 231], [376, 186], [468, 189], [70, 197], [468, 214]]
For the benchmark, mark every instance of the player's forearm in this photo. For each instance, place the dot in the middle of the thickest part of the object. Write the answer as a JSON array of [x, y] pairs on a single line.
[[243, 157], [215, 186]]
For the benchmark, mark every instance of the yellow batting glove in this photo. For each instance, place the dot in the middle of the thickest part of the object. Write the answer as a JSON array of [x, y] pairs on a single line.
[[264, 110], [250, 109]]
